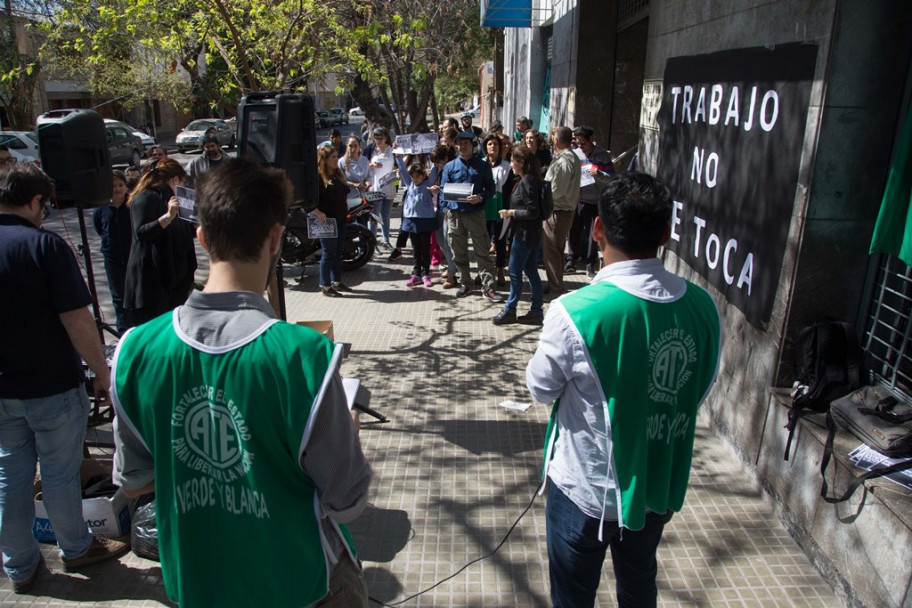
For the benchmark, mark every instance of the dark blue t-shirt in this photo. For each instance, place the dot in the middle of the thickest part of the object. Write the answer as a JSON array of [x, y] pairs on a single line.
[[39, 280]]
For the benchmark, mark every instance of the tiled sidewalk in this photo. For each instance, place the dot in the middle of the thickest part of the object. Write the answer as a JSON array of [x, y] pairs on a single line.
[[453, 470]]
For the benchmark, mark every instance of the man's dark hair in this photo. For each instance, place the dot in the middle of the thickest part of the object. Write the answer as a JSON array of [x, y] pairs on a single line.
[[452, 122], [441, 153], [586, 132], [239, 202], [21, 182], [211, 139], [635, 209], [563, 135]]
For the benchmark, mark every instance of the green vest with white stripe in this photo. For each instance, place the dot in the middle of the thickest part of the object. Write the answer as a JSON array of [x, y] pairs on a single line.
[[655, 363], [237, 516]]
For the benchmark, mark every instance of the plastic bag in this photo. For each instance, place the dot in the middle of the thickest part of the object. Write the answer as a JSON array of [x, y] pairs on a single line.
[[143, 532]]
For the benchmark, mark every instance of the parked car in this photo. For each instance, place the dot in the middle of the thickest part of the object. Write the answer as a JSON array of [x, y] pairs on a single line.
[[124, 147], [147, 140], [356, 111], [340, 115], [323, 119], [21, 144], [191, 138]]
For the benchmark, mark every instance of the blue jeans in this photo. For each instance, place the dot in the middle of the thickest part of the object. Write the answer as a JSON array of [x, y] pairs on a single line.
[[51, 430], [331, 260], [575, 555], [385, 210], [524, 259], [117, 274]]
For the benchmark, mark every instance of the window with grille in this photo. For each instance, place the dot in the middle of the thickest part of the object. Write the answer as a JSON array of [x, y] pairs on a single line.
[[888, 327]]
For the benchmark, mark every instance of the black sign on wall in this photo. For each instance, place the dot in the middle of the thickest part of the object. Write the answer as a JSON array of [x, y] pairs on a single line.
[[731, 132]]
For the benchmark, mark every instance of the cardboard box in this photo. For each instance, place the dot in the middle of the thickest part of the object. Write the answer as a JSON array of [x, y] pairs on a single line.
[[324, 327], [105, 516]]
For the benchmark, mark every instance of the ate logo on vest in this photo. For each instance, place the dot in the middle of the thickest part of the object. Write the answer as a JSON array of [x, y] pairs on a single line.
[[670, 358], [212, 434]]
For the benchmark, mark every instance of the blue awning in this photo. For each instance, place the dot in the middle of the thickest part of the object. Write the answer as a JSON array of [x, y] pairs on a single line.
[[506, 13]]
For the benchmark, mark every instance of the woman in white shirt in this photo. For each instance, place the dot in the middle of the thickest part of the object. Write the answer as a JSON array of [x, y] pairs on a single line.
[[500, 168], [381, 165]]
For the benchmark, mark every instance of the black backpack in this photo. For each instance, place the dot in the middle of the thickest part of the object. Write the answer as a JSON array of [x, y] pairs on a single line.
[[546, 199], [827, 365]]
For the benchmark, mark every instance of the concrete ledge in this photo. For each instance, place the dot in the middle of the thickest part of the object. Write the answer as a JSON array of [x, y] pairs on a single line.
[[862, 545]]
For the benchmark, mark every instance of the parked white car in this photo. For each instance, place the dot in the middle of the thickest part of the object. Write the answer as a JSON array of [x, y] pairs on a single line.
[[21, 144], [356, 111]]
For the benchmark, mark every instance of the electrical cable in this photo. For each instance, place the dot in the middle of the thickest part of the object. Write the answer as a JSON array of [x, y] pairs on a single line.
[[474, 561]]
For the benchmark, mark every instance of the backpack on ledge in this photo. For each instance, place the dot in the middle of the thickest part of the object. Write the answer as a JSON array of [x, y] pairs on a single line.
[[827, 365]]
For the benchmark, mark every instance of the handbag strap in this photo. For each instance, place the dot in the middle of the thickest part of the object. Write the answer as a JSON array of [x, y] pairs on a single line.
[[858, 481]]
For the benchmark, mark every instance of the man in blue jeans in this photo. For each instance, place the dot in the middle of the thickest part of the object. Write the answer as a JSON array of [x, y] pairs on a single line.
[[45, 328], [628, 360]]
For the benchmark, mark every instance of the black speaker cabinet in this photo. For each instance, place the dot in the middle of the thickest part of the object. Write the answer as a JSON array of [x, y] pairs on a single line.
[[74, 153], [278, 129]]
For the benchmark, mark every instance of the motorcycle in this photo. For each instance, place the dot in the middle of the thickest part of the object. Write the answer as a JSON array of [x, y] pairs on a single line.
[[357, 248]]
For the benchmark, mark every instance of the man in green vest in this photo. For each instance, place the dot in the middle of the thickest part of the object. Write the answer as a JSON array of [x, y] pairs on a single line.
[[627, 361], [239, 423]]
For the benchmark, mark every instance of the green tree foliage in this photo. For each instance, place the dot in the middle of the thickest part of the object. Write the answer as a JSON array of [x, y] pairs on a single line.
[[390, 52], [19, 69], [402, 53]]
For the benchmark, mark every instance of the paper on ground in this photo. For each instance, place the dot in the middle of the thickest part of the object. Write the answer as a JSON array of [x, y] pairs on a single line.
[[515, 405]]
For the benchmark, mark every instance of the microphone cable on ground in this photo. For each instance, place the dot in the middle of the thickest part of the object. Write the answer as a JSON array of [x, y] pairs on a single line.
[[474, 561]]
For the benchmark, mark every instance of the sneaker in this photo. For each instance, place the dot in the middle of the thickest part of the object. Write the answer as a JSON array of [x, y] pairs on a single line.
[[493, 296], [413, 280], [100, 550], [387, 246], [329, 292], [340, 286], [590, 271], [570, 268], [463, 291], [395, 255], [426, 279], [504, 317], [26, 585], [531, 318], [450, 282]]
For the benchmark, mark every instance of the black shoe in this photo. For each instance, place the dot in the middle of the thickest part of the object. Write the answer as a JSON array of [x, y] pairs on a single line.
[[531, 318], [395, 255], [493, 296], [329, 292], [504, 317], [570, 268], [340, 286], [26, 585], [463, 291], [591, 271]]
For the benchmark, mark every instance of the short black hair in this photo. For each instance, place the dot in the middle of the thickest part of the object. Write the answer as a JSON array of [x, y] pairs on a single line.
[[582, 131], [239, 202], [635, 209], [21, 182], [211, 139]]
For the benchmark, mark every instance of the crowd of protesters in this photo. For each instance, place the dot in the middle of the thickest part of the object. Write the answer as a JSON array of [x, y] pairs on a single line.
[[150, 257]]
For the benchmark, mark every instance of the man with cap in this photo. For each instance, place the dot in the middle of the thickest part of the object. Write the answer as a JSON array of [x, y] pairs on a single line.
[[211, 156], [467, 126], [466, 216]]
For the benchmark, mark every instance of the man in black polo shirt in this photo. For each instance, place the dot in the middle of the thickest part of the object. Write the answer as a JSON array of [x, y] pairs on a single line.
[[45, 328]]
